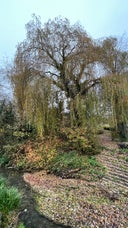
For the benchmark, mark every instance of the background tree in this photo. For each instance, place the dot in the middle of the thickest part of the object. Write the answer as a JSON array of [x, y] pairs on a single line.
[[115, 96], [20, 79], [114, 58]]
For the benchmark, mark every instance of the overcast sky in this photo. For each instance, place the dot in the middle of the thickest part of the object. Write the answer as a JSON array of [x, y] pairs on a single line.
[[100, 18]]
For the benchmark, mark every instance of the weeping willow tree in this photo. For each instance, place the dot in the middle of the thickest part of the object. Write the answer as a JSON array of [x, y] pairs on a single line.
[[20, 83], [85, 111], [56, 64], [37, 100], [56, 57], [115, 103], [42, 107]]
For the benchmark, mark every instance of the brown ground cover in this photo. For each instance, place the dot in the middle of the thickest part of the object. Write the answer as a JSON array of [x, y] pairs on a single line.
[[81, 203]]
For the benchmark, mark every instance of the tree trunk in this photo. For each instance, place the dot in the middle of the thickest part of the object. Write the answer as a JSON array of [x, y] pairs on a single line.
[[122, 130]]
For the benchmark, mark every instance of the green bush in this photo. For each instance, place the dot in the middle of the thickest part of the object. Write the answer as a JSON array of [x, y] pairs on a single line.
[[7, 154], [4, 160], [82, 140]]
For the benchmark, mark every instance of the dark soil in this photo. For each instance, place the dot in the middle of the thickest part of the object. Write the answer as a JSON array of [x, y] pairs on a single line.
[[28, 214]]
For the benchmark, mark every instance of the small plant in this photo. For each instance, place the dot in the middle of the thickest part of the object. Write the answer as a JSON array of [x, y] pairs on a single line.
[[21, 225], [97, 172], [124, 150], [112, 151], [126, 159], [9, 201], [92, 161]]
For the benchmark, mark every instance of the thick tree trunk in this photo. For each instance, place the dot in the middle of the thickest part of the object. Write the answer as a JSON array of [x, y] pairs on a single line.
[[122, 130]]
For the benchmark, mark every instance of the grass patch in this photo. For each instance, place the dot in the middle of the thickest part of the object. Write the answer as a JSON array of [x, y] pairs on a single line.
[[9, 200], [67, 161], [72, 164]]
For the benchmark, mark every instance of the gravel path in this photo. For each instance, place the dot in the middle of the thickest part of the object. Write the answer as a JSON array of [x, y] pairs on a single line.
[[114, 161]]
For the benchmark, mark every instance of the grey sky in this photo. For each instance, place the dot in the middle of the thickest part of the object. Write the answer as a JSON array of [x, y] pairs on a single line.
[[100, 18]]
